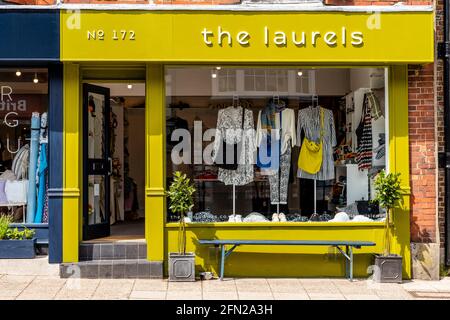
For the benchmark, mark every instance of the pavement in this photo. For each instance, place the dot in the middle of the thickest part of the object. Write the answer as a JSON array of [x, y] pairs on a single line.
[[34, 279], [38, 287]]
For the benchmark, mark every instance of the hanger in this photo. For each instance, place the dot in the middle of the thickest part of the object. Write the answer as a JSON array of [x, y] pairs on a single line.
[[276, 99], [315, 100], [235, 101]]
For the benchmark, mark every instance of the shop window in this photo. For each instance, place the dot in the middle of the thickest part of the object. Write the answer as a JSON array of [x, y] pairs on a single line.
[[276, 178], [24, 144]]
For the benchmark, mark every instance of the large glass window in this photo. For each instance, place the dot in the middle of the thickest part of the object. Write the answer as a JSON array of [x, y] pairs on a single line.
[[277, 144], [24, 144]]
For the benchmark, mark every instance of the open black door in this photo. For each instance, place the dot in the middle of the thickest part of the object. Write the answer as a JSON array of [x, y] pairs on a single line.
[[96, 162]]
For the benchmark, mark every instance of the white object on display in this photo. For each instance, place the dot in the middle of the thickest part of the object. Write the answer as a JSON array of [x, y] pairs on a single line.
[[361, 218], [16, 191], [340, 217]]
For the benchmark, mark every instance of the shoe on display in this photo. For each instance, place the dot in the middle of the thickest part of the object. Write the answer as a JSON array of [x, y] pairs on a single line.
[[231, 218], [282, 217], [238, 218], [275, 217]]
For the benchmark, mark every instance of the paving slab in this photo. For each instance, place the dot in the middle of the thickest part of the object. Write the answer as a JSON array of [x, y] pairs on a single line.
[[148, 295]]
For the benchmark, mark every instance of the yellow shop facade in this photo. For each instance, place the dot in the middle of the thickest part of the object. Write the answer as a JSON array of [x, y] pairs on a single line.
[[142, 89]]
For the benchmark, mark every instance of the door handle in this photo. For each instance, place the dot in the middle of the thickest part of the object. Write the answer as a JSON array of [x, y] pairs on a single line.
[[110, 166]]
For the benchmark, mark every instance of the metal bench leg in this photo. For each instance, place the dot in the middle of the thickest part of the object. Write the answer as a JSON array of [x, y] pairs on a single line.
[[222, 261], [347, 266], [351, 263]]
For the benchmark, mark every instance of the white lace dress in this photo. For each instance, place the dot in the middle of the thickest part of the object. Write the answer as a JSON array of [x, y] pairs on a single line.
[[229, 126]]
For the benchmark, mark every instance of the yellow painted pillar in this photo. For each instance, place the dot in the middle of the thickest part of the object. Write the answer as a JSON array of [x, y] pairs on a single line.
[[399, 161], [72, 163], [155, 174]]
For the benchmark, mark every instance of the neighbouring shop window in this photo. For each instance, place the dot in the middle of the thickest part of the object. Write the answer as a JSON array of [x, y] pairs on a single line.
[[277, 144], [24, 144]]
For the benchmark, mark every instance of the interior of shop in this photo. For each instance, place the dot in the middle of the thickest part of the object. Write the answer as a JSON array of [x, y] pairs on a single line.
[[23, 144], [342, 111], [126, 144]]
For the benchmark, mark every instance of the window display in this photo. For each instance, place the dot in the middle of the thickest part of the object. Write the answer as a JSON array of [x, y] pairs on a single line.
[[277, 144], [24, 144]]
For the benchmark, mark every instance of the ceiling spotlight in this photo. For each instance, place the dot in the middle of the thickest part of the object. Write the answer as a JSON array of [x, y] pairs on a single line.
[[218, 68], [214, 75], [300, 73], [18, 73], [130, 86], [35, 80]]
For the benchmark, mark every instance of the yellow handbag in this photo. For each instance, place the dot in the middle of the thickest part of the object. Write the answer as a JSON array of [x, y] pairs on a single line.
[[310, 159]]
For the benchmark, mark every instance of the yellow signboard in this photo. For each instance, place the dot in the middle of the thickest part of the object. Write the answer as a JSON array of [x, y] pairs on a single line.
[[240, 36]]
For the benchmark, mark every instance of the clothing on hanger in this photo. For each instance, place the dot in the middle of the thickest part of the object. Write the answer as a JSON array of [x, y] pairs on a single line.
[[364, 151], [309, 123], [229, 129]]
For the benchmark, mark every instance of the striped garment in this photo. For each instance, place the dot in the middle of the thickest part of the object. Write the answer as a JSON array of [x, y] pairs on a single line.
[[309, 122], [364, 151]]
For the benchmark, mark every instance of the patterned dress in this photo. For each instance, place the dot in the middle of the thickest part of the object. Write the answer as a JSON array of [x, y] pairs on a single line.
[[309, 122], [229, 128]]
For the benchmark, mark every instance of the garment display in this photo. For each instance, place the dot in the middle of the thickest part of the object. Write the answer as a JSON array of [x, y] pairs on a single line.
[[309, 123], [228, 154], [42, 171], [364, 151], [288, 135], [229, 121], [34, 150], [279, 181], [21, 162], [311, 152]]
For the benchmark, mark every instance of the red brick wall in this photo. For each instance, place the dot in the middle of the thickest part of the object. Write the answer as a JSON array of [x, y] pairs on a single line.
[[440, 120], [422, 153]]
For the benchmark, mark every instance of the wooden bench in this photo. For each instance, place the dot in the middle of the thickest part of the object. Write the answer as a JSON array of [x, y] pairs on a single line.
[[347, 253]]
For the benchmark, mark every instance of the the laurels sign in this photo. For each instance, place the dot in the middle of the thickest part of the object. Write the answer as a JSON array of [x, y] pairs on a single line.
[[279, 38]]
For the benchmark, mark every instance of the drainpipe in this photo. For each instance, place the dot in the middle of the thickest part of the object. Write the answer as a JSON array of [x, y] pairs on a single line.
[[444, 158]]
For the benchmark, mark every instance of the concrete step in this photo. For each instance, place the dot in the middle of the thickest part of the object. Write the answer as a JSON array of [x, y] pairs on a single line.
[[111, 269], [113, 251]]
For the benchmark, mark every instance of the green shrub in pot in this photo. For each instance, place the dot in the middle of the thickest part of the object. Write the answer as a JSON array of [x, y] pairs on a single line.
[[388, 195]]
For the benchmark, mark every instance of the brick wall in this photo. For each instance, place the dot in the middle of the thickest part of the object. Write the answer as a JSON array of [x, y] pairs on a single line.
[[422, 152], [440, 120]]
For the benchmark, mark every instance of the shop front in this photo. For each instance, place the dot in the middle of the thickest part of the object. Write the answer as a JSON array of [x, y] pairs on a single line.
[[30, 131], [149, 93]]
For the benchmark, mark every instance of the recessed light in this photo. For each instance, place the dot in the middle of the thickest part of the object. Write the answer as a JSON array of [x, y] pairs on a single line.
[[300, 73], [35, 80], [130, 86], [218, 68], [18, 73], [214, 75]]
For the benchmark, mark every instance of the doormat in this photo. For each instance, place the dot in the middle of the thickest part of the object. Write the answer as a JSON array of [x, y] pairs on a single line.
[[430, 295]]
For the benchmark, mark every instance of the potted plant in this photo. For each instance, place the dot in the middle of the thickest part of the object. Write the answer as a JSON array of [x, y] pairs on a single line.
[[15, 244], [388, 267], [181, 201]]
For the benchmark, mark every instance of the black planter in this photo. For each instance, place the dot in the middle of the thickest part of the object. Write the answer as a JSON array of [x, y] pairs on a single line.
[[388, 269], [17, 249]]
